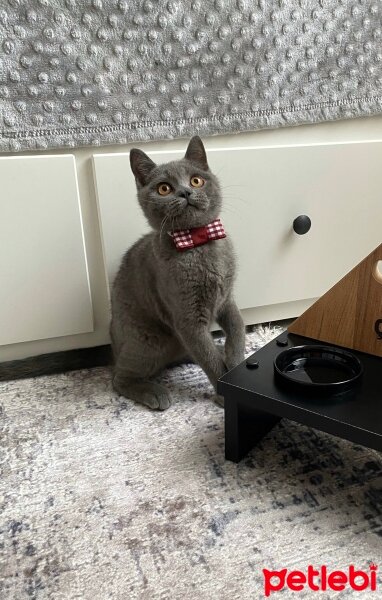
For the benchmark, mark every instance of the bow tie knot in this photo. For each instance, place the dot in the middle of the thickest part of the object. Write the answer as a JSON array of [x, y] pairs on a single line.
[[185, 239]]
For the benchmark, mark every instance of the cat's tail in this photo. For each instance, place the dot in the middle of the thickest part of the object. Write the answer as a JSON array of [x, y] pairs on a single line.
[[57, 362]]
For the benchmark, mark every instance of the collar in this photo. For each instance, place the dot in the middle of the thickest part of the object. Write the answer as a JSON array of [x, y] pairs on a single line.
[[185, 239]]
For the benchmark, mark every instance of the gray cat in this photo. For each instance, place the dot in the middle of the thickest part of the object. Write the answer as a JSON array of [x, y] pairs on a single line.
[[163, 299]]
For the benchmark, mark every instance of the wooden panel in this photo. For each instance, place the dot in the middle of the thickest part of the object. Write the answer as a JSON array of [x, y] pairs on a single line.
[[44, 291], [265, 189], [350, 313]]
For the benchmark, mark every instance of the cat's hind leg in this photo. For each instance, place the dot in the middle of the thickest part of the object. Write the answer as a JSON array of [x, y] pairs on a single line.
[[134, 367], [151, 394]]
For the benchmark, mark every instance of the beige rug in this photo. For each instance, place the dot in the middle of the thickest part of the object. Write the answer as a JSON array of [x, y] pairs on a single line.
[[102, 499]]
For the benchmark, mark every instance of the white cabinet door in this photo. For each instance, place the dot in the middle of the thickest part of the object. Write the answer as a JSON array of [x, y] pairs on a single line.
[[44, 286], [337, 185]]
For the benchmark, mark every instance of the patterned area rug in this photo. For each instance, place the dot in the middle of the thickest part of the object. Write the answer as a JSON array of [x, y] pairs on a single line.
[[103, 499]]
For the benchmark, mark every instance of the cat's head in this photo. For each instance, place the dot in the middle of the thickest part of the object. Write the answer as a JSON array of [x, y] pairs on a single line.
[[180, 194]]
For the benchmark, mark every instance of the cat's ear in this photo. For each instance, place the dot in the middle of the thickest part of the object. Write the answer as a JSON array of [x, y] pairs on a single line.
[[141, 165], [196, 152]]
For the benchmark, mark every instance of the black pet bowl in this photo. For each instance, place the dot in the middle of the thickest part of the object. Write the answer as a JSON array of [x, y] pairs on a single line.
[[318, 369]]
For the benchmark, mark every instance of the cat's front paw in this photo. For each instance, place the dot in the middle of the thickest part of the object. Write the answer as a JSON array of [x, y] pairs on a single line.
[[233, 361]]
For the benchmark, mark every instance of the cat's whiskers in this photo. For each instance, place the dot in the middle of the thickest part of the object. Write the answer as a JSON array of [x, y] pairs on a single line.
[[173, 224], [235, 185], [229, 209], [233, 203], [162, 225]]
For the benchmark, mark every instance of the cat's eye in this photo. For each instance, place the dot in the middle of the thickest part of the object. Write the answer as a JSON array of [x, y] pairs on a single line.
[[164, 189], [197, 181]]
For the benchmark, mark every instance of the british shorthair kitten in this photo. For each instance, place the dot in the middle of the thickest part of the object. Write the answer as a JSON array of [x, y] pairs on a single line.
[[174, 281]]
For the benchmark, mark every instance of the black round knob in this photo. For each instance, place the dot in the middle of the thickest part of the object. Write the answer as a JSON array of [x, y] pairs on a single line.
[[252, 363], [302, 224]]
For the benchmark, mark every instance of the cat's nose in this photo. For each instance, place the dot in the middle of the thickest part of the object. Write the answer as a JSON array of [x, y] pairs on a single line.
[[184, 194]]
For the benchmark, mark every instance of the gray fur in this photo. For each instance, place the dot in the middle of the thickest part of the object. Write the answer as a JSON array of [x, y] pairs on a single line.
[[163, 300]]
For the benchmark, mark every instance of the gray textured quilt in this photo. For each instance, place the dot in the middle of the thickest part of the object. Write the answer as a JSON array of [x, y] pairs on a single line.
[[78, 72]]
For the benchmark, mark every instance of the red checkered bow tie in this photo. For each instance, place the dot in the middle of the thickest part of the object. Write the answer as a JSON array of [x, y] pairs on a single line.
[[184, 239]]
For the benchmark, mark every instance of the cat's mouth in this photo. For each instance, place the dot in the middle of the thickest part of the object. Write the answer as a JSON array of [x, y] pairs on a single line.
[[194, 205], [186, 211]]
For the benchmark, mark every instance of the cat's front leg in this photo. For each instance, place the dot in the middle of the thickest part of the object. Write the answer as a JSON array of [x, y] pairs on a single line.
[[197, 340], [230, 320]]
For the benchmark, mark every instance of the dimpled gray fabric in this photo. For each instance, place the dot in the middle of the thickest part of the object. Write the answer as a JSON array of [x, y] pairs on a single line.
[[78, 72]]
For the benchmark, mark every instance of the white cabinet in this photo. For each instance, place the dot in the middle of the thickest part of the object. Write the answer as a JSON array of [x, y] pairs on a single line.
[[337, 185], [44, 285], [66, 220]]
